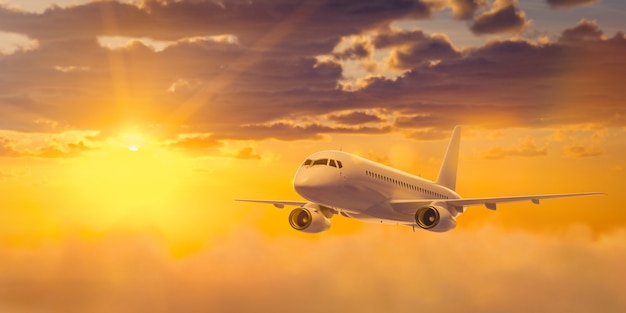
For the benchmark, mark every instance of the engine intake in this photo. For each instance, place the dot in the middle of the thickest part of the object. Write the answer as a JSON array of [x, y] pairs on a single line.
[[435, 218], [427, 217], [310, 219]]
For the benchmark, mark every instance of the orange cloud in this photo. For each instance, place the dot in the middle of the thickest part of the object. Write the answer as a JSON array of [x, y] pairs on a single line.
[[247, 153], [526, 148], [127, 272], [356, 118], [43, 145], [582, 151]]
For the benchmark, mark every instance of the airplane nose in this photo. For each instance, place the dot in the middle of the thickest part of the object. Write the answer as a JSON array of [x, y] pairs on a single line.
[[310, 184], [304, 184]]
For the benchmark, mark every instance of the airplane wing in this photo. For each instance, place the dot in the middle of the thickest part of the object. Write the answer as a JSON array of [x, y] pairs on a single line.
[[491, 202], [277, 203]]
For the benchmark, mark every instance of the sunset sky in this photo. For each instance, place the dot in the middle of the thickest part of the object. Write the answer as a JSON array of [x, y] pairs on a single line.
[[128, 128]]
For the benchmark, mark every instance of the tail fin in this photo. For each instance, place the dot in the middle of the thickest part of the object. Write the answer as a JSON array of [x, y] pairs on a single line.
[[447, 173]]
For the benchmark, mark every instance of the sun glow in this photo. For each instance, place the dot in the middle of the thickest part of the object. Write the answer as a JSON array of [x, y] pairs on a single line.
[[132, 141], [137, 183], [128, 188]]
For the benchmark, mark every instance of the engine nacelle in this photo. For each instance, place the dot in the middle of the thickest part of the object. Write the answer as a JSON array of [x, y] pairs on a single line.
[[312, 218], [435, 218]]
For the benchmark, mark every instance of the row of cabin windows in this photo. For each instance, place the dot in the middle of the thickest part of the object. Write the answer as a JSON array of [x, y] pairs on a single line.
[[405, 185], [327, 162]]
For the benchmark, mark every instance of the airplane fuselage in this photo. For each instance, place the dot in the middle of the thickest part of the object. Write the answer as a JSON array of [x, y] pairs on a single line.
[[355, 186]]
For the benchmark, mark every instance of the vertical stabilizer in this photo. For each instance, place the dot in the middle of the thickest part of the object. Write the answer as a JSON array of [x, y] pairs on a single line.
[[447, 173]]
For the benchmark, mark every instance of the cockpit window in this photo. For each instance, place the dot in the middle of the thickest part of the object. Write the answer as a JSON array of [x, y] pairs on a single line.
[[327, 162], [320, 162]]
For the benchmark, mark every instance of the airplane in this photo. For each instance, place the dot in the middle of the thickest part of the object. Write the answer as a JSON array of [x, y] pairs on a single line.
[[336, 182]]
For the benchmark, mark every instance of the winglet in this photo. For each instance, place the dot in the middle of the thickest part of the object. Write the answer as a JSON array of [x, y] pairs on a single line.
[[447, 173]]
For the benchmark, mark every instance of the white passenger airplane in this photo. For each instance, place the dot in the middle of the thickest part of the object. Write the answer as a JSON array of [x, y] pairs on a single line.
[[336, 182]]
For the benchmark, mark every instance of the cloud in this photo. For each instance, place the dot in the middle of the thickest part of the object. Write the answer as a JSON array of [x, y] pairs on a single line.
[[507, 19], [355, 118], [354, 47], [194, 142], [429, 134], [286, 131], [63, 150], [6, 147], [128, 272], [203, 82], [12, 43], [247, 154], [159, 20], [465, 9], [42, 145], [526, 148], [577, 151], [415, 48], [569, 3], [584, 31]]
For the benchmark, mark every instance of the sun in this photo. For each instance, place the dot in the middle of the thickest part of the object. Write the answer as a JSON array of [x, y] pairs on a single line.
[[132, 141]]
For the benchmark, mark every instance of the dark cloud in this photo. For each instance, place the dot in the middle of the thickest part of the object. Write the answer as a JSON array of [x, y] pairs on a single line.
[[357, 51], [584, 31], [411, 49], [508, 19], [464, 9], [491, 85], [285, 131], [358, 47], [568, 3], [250, 21], [355, 118], [208, 85]]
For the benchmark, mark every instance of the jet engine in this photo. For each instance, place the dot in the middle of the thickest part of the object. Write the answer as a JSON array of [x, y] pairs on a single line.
[[435, 218], [311, 218]]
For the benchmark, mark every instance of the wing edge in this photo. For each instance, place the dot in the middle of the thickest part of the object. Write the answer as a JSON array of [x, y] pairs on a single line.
[[276, 203], [490, 202]]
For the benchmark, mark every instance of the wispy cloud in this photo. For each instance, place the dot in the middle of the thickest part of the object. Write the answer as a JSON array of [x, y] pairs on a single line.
[[526, 148], [569, 3]]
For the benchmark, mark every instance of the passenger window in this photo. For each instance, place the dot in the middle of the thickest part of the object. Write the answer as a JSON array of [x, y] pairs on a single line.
[[332, 163], [339, 164], [320, 162]]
